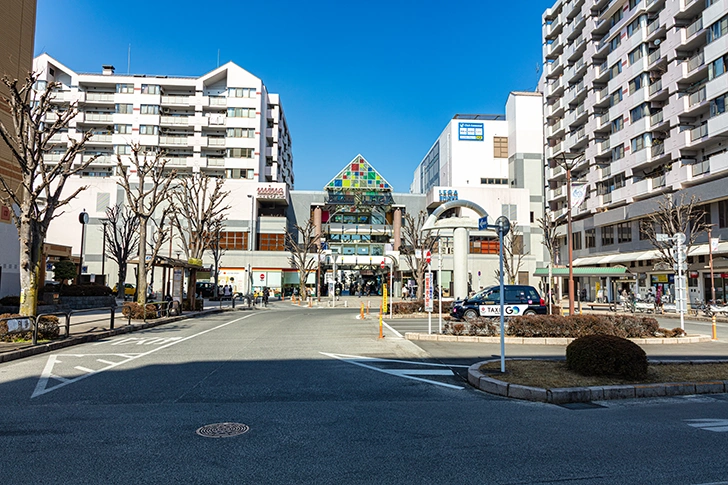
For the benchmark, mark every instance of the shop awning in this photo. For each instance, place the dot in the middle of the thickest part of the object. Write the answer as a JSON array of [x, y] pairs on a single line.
[[615, 271], [695, 250]]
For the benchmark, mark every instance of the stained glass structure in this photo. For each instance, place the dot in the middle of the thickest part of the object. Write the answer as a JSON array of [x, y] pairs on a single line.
[[359, 174]]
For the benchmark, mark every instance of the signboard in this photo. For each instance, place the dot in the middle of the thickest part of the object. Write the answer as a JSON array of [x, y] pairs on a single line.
[[508, 310], [483, 224], [384, 298], [578, 195], [428, 292], [177, 284], [19, 325], [271, 193], [470, 131], [448, 195]]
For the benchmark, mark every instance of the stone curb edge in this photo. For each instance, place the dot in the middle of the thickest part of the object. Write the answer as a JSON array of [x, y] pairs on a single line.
[[547, 340], [60, 344], [596, 393]]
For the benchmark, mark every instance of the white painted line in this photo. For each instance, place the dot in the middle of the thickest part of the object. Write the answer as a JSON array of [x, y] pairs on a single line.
[[421, 372], [376, 359], [392, 330], [716, 425], [390, 372], [42, 385], [83, 369], [108, 362]]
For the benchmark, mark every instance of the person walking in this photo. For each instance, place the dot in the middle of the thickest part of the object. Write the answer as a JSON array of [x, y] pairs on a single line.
[[404, 293], [266, 294]]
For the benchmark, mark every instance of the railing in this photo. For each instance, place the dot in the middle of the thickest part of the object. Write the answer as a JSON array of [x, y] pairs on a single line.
[[174, 120], [604, 119], [100, 138], [652, 58], [176, 162], [655, 87], [173, 140], [699, 132], [68, 316], [215, 141], [607, 198], [696, 61], [215, 162], [604, 146], [580, 109], [101, 159], [218, 101], [52, 157], [657, 150], [653, 27], [175, 99], [701, 167], [695, 27], [558, 191], [98, 117], [697, 97], [105, 97], [581, 133], [603, 67], [656, 118], [658, 181]]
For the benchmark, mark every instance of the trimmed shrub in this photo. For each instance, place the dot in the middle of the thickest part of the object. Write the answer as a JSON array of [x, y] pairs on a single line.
[[418, 306], [675, 332], [136, 311], [10, 301], [579, 325], [606, 355], [48, 329], [482, 327], [199, 305], [85, 290]]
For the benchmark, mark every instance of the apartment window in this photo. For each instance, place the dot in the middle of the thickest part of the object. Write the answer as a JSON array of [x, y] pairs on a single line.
[[640, 142], [615, 70], [234, 240], [618, 152], [607, 235], [723, 213], [718, 29], [239, 173], [241, 92], [717, 67], [637, 83], [149, 109], [241, 112], [122, 149], [241, 132], [633, 3], [642, 225], [637, 54], [717, 105], [271, 242], [493, 181], [510, 211], [150, 89], [240, 153], [615, 18], [576, 241], [617, 124], [125, 88], [639, 112], [702, 215], [500, 146], [634, 26], [590, 236], [148, 130], [619, 181], [484, 245], [624, 232], [614, 43], [124, 108], [615, 97], [122, 129]]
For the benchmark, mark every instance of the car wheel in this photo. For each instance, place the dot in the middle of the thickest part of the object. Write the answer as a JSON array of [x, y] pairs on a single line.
[[528, 313], [470, 314]]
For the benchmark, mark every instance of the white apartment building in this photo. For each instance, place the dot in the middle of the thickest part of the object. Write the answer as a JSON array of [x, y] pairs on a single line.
[[495, 161], [638, 88], [224, 123]]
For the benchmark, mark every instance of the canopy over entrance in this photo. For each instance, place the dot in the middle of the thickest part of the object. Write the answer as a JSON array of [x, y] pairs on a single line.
[[615, 271]]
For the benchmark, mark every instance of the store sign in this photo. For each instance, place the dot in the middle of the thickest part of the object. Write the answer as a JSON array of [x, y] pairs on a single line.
[[508, 310], [470, 131], [271, 193], [448, 195]]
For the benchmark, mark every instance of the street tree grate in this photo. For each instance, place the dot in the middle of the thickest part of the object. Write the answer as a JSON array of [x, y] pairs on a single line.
[[223, 430]]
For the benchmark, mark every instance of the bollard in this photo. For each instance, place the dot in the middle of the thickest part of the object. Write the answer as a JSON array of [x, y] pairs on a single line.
[[361, 312], [715, 329], [346, 303], [310, 302], [111, 324], [381, 335], [369, 305]]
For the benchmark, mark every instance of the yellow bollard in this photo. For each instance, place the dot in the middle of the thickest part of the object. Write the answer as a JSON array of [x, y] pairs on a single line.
[[361, 312], [381, 335], [715, 330], [310, 302]]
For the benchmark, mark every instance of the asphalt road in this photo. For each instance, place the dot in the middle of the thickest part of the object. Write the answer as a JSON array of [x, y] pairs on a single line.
[[325, 401]]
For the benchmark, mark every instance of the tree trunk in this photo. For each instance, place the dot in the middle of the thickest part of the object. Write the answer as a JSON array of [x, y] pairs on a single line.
[[141, 264], [192, 289], [120, 286], [30, 255]]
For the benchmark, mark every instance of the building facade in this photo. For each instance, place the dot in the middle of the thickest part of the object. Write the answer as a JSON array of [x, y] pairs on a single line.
[[17, 32], [635, 90]]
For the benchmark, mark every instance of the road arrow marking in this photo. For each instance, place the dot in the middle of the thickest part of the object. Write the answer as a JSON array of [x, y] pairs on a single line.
[[406, 373], [717, 425]]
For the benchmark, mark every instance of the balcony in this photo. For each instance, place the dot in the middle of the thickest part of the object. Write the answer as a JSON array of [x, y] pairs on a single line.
[[174, 120], [652, 58], [215, 162], [655, 87], [656, 119], [218, 101], [99, 97], [555, 127], [173, 140], [657, 150], [100, 138], [176, 100], [176, 161], [53, 157], [697, 97], [700, 168], [101, 159], [694, 28], [651, 28], [695, 62], [98, 117], [607, 198], [658, 182], [215, 141], [699, 132]]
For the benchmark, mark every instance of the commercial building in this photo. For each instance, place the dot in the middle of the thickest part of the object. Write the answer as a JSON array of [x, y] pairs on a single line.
[[17, 31], [637, 87]]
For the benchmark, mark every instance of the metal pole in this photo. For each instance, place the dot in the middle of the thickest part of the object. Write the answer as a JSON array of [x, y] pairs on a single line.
[[439, 283], [429, 313], [103, 256], [710, 253], [391, 288], [333, 293], [502, 301], [568, 239]]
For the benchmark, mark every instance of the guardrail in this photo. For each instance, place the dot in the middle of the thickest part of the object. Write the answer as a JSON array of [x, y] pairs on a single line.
[[162, 308], [68, 315]]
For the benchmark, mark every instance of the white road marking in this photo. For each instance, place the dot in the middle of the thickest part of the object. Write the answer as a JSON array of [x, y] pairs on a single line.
[[83, 369], [406, 373], [108, 362], [42, 385], [717, 425], [392, 330]]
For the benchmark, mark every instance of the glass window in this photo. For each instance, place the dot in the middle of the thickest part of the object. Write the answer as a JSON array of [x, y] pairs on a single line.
[[618, 152], [636, 54], [634, 26], [640, 142], [150, 109], [607, 235], [624, 232], [241, 112], [639, 112], [614, 19], [148, 130], [637, 83], [717, 67], [241, 92], [150, 89], [617, 124], [122, 149], [723, 213], [124, 108], [615, 98], [240, 153], [615, 70], [241, 132], [125, 88], [122, 129], [718, 29], [590, 236], [717, 106], [614, 42]]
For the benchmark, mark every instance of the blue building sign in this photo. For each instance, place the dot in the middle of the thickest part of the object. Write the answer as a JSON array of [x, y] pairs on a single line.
[[470, 131], [448, 195]]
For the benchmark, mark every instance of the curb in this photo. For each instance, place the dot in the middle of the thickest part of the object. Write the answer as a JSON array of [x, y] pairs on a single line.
[[548, 340], [60, 344], [566, 395]]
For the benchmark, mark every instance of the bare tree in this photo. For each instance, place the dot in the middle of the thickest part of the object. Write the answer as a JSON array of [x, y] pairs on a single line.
[[150, 191], [303, 243], [40, 192], [161, 232], [415, 246], [513, 254], [216, 227], [550, 241], [122, 234], [199, 202], [673, 215]]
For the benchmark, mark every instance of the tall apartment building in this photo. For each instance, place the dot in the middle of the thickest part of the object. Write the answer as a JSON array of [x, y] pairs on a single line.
[[495, 161], [638, 88], [17, 32]]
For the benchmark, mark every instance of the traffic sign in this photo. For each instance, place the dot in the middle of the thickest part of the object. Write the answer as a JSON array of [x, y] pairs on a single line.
[[428, 256], [262, 276], [682, 266], [483, 223], [662, 237], [381, 265], [503, 223]]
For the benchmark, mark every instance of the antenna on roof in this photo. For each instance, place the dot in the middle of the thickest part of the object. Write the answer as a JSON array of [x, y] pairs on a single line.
[[128, 60], [218, 58]]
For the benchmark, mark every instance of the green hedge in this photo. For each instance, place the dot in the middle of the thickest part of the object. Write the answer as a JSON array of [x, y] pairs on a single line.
[[409, 307]]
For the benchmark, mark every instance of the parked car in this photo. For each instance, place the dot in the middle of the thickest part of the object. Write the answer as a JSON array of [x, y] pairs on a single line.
[[206, 289], [518, 299], [129, 289]]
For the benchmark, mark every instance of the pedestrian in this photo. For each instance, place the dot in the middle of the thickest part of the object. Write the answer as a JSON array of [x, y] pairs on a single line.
[[266, 294], [227, 292], [404, 293]]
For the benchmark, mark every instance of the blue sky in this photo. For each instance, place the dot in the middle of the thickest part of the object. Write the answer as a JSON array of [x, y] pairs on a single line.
[[380, 78]]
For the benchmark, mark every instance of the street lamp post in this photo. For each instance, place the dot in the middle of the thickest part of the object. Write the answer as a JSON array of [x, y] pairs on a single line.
[[568, 162], [251, 242], [83, 219], [104, 222], [710, 252]]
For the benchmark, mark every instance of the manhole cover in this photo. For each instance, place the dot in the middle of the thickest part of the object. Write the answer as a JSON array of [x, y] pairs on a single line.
[[223, 430]]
